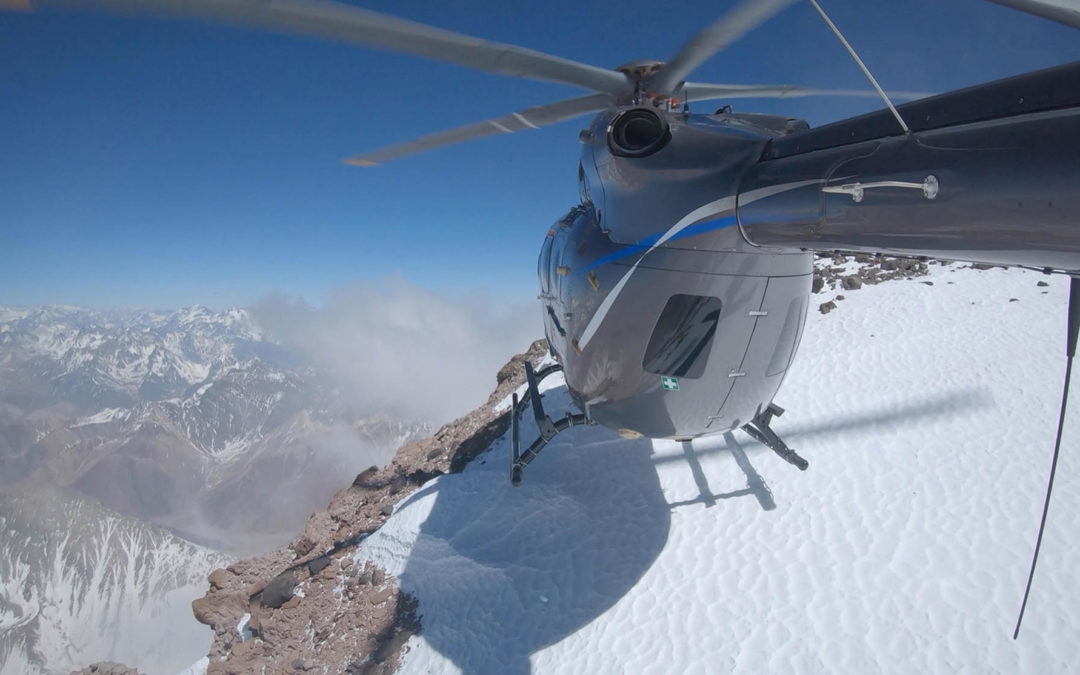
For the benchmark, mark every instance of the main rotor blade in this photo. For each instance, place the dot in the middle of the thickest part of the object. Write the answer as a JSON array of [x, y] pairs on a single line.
[[532, 118], [1070, 16], [722, 33], [345, 23], [696, 91]]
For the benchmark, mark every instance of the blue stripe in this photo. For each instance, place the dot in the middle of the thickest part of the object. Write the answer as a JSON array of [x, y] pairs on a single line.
[[648, 242]]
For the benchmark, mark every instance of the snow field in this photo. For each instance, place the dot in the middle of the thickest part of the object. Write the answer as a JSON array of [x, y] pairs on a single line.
[[928, 416]]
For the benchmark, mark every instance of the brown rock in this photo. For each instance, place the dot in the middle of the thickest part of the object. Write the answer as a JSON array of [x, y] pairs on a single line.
[[291, 602], [383, 595], [219, 609], [302, 546], [257, 587], [218, 578]]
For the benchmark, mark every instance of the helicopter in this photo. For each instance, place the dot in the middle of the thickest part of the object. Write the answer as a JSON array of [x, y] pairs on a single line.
[[674, 294]]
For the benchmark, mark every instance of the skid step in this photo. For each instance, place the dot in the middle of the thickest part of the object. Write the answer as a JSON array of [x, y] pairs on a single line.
[[548, 428], [761, 431]]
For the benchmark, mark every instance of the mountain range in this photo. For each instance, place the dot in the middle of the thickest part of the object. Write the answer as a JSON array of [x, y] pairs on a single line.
[[167, 436]]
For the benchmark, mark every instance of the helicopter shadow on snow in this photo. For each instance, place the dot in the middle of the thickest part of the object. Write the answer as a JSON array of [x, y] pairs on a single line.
[[755, 484], [941, 405], [503, 572]]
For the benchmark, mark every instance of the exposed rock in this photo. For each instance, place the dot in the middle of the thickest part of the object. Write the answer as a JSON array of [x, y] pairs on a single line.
[[256, 588], [833, 271], [1042, 284], [851, 283], [363, 479], [352, 617], [220, 609], [302, 546], [396, 483], [279, 591], [218, 577], [318, 564]]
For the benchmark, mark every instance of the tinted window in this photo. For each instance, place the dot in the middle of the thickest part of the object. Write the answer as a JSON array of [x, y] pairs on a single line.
[[680, 342]]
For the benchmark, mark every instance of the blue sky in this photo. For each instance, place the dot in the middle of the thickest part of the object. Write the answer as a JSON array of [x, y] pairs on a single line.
[[162, 163]]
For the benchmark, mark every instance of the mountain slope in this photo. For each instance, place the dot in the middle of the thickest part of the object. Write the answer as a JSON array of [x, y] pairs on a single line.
[[192, 420], [183, 418], [81, 583]]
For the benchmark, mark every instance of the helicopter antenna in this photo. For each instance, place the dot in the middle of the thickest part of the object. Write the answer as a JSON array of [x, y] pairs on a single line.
[[1074, 331], [851, 50]]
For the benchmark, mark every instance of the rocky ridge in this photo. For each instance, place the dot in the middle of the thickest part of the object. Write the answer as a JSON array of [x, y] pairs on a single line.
[[309, 606]]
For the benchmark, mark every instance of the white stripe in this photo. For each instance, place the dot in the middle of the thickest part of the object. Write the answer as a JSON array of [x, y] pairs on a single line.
[[525, 121], [722, 205], [500, 127]]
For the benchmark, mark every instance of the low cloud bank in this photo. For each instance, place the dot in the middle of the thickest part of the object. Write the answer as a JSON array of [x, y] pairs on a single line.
[[399, 348]]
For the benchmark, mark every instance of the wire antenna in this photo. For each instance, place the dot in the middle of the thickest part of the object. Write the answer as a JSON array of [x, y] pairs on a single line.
[[866, 71], [1074, 332]]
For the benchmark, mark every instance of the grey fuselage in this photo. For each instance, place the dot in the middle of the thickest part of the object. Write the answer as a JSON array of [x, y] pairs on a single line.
[[675, 294]]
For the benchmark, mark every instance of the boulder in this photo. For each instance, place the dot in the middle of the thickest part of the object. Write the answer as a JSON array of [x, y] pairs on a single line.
[[279, 590]]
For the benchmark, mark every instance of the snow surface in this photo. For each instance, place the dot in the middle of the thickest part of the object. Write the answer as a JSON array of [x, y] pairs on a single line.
[[103, 417], [928, 416]]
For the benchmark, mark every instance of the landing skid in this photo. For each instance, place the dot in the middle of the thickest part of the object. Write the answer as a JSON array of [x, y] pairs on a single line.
[[548, 428], [761, 431]]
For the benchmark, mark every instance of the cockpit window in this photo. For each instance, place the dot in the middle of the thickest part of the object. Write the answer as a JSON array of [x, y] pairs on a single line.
[[680, 341]]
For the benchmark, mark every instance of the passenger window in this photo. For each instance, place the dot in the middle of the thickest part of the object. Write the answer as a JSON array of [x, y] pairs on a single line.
[[680, 342]]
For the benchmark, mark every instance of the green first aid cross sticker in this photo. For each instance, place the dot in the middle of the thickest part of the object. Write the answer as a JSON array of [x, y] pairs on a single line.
[[670, 383]]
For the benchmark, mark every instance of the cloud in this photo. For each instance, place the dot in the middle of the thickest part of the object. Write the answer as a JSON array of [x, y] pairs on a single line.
[[399, 348]]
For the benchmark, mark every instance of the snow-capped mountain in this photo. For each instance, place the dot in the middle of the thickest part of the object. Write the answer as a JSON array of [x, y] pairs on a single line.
[[80, 583], [97, 360], [168, 415], [114, 425]]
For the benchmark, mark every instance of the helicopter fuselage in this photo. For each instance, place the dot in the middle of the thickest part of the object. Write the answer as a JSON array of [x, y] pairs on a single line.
[[675, 294], [668, 323]]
